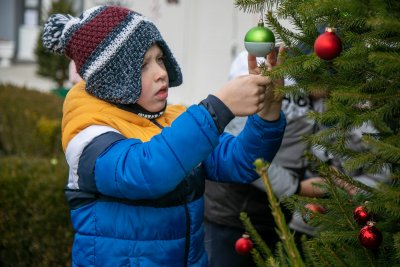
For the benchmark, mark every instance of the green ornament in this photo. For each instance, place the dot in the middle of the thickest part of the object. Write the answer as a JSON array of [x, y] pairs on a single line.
[[259, 41]]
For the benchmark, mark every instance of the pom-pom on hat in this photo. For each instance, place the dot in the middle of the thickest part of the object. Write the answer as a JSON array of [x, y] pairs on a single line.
[[108, 44]]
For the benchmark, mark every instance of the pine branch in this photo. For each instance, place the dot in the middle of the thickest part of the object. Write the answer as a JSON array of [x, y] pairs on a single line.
[[289, 38], [396, 241], [317, 254], [257, 258], [390, 196], [263, 248], [389, 151], [362, 88], [386, 63], [256, 6], [309, 258], [281, 255], [272, 263], [288, 242], [330, 174]]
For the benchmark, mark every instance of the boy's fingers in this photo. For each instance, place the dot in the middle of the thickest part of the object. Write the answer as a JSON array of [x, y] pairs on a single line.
[[280, 54], [263, 80], [271, 58], [252, 64]]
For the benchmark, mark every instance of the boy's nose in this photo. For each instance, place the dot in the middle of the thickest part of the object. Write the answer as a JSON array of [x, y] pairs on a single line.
[[161, 73]]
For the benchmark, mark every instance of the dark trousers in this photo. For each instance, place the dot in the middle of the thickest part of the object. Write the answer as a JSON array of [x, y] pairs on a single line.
[[220, 245]]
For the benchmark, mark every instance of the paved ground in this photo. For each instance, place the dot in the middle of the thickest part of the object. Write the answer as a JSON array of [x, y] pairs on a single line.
[[23, 74]]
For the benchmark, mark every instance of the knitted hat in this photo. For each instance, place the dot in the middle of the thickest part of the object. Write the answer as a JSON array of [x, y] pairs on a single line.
[[108, 44]]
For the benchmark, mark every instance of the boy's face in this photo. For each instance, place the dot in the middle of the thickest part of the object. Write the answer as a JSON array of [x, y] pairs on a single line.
[[154, 80]]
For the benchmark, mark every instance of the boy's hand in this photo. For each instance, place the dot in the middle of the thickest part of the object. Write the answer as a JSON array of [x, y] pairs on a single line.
[[272, 101], [244, 95], [250, 94]]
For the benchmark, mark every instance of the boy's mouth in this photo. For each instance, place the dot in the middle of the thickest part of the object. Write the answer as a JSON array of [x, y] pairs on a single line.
[[162, 93]]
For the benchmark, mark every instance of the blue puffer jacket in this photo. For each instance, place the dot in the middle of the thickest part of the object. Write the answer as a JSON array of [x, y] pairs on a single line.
[[136, 186]]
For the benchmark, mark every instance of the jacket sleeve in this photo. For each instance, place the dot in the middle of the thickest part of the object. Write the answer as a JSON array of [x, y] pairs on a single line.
[[133, 169], [232, 159]]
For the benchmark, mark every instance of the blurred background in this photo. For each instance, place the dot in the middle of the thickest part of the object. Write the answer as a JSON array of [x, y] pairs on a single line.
[[205, 36], [35, 227]]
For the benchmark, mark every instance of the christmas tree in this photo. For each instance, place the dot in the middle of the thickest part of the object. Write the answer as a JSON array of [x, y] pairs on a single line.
[[348, 51], [51, 65]]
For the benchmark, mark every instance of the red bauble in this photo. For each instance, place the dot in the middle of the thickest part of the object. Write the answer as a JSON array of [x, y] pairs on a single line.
[[312, 208], [370, 236], [361, 215], [328, 45], [243, 245]]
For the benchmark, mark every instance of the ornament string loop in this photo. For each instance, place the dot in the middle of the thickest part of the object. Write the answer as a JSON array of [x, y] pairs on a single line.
[[262, 13], [259, 41]]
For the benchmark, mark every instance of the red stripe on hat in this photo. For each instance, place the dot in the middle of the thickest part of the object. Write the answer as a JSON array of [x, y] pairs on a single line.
[[91, 34]]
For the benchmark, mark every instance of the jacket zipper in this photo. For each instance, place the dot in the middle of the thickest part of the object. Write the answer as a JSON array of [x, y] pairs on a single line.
[[187, 243]]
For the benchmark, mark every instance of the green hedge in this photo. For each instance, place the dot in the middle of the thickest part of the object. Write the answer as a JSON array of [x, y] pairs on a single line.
[[35, 227], [34, 219], [30, 122]]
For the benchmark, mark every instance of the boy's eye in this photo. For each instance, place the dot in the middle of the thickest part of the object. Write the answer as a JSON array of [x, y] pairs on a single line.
[[161, 59]]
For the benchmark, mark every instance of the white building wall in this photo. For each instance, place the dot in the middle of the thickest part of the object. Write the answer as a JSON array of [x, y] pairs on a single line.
[[204, 35]]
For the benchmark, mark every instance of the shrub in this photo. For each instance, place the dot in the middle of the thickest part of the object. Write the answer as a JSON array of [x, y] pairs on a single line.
[[30, 122], [35, 227], [53, 66]]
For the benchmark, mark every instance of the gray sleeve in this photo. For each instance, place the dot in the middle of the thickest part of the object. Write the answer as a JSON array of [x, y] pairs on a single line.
[[236, 125], [284, 182]]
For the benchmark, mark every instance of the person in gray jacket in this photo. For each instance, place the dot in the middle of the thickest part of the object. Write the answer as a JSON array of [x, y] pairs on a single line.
[[224, 202]]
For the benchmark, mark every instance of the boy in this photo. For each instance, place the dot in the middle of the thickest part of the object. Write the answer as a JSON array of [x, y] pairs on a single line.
[[138, 165]]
